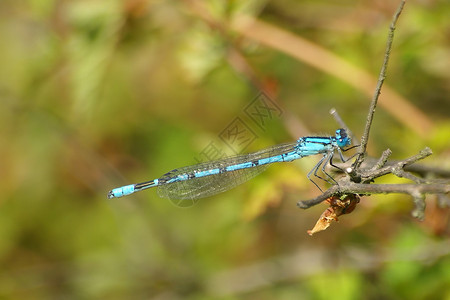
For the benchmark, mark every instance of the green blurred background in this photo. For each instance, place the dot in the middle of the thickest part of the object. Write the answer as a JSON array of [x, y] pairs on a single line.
[[98, 94]]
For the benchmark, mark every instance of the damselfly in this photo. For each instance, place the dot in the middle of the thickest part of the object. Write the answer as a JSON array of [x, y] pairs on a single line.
[[213, 177]]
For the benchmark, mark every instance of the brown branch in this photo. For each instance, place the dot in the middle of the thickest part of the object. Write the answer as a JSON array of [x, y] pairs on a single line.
[[417, 190], [368, 176], [368, 189], [365, 137]]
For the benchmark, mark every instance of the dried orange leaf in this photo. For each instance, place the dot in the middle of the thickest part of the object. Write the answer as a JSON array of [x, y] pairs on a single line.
[[344, 204]]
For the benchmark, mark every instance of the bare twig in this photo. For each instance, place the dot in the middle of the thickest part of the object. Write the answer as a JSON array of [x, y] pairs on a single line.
[[368, 189], [382, 161], [403, 174], [425, 170], [368, 176], [419, 202], [365, 137], [431, 173]]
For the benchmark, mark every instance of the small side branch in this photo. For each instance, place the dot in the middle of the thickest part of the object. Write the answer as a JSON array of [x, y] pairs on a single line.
[[368, 176]]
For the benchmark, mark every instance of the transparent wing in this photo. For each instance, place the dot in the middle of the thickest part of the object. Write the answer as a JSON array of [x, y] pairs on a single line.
[[201, 187]]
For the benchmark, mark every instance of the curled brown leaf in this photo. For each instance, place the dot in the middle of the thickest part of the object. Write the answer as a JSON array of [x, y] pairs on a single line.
[[339, 205]]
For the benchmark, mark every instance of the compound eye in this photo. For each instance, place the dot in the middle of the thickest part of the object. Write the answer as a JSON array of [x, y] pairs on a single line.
[[341, 134]]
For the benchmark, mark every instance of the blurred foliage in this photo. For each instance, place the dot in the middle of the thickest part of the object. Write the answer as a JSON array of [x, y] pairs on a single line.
[[97, 94]]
